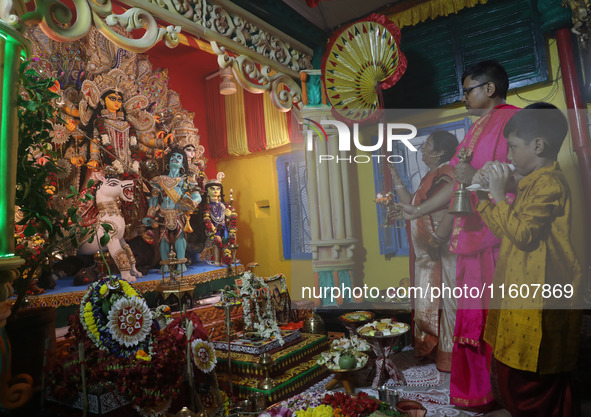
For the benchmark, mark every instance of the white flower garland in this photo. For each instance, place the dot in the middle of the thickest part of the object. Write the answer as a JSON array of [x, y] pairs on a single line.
[[264, 322]]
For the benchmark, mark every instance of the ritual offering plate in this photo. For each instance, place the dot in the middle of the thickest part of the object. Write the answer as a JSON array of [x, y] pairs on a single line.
[[383, 328], [357, 317]]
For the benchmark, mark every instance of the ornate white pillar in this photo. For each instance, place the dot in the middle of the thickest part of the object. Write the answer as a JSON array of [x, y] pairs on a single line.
[[329, 197]]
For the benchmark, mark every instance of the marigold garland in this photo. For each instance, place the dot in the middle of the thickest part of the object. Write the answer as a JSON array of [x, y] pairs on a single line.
[[96, 307]]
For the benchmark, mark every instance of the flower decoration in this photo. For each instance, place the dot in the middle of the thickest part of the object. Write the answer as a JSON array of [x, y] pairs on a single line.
[[116, 318], [130, 320], [203, 355], [257, 307], [355, 343], [322, 410], [353, 406]]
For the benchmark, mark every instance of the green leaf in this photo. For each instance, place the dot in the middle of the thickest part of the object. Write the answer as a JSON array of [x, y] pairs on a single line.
[[74, 190], [30, 230], [107, 227], [89, 183], [47, 221], [105, 239], [31, 105], [106, 306]]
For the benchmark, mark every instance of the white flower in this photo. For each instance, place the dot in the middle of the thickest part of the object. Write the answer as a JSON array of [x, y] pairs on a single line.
[[203, 355], [130, 321], [132, 141], [106, 140], [118, 166], [135, 166]]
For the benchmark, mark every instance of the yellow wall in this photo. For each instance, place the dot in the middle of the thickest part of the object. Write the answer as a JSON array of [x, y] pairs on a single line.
[[254, 181], [383, 272]]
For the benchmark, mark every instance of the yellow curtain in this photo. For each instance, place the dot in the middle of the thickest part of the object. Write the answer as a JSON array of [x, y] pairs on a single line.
[[275, 124], [430, 10], [235, 123]]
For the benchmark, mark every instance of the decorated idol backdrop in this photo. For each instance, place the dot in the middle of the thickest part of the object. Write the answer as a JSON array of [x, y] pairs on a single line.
[[123, 137]]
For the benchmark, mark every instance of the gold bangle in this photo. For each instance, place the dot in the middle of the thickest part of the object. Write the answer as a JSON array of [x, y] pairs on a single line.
[[420, 210]]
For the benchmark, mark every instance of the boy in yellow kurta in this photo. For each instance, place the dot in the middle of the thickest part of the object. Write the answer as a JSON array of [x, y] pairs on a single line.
[[534, 337]]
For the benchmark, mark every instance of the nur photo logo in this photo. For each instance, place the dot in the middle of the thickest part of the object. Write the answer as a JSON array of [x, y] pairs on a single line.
[[390, 133]]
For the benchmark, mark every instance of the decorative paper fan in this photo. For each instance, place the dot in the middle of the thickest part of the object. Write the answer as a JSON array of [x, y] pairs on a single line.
[[361, 59]]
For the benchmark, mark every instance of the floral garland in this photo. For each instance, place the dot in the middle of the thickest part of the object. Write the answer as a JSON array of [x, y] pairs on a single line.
[[147, 380], [222, 244], [254, 290], [116, 318]]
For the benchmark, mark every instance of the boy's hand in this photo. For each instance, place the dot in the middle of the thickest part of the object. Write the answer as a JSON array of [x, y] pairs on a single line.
[[498, 174], [479, 178]]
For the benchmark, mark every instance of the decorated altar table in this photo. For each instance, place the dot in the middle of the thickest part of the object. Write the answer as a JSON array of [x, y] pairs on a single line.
[[294, 368]]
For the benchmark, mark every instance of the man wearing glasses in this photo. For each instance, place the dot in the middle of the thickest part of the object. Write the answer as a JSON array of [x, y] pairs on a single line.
[[485, 86]]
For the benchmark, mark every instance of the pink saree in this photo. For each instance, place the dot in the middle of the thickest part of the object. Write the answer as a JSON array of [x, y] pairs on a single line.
[[477, 250]]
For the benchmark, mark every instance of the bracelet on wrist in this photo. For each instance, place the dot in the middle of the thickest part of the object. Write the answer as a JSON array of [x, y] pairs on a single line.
[[399, 186], [420, 210]]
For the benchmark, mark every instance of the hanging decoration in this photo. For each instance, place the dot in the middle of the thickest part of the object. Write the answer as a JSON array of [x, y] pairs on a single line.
[[361, 60]]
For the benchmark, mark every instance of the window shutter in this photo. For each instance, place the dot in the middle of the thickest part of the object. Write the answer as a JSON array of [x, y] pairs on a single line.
[[438, 52]]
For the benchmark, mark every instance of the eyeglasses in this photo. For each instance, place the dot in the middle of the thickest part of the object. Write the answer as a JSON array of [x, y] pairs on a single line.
[[467, 90]]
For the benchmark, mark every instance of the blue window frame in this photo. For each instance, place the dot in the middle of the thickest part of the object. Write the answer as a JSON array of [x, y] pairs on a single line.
[[293, 201], [394, 241]]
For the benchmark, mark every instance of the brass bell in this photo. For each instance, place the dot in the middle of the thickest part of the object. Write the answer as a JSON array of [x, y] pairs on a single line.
[[460, 205]]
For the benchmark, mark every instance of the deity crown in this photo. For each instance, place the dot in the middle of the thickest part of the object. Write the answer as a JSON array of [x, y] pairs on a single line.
[[115, 80], [184, 131], [216, 181]]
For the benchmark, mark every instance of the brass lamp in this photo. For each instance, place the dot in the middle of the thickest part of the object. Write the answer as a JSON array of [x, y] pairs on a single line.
[[265, 362]]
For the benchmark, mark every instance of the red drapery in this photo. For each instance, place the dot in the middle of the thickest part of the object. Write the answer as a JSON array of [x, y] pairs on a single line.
[[254, 114], [216, 119]]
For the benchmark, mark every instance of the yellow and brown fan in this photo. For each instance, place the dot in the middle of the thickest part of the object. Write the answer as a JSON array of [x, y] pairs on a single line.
[[361, 60]]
